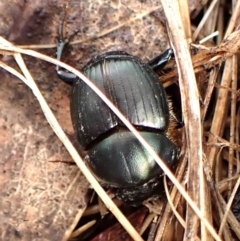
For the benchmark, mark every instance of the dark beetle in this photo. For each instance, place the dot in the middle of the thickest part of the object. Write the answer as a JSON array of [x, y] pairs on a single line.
[[115, 156]]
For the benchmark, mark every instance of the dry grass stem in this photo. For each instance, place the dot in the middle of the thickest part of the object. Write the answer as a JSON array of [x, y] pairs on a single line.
[[72, 151], [206, 180]]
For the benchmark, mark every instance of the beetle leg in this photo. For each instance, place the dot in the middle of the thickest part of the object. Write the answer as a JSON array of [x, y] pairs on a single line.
[[161, 60], [67, 77]]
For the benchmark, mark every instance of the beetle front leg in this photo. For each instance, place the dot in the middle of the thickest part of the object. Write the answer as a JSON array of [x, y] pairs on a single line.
[[161, 60], [67, 77]]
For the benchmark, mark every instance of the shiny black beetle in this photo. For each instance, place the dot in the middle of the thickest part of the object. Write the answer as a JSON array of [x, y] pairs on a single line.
[[115, 156]]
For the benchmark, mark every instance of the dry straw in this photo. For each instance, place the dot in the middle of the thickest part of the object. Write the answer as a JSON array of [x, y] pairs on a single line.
[[197, 196]]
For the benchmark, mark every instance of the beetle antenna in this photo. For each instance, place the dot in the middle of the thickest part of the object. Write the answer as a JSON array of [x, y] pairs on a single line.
[[61, 32], [61, 29]]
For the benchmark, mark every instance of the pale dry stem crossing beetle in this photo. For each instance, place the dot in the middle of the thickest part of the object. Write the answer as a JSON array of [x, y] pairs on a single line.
[[115, 156]]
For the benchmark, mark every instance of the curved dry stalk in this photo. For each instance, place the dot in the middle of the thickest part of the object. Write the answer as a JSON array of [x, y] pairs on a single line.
[[204, 58], [192, 119], [84, 169], [166, 216], [72, 151], [170, 201]]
